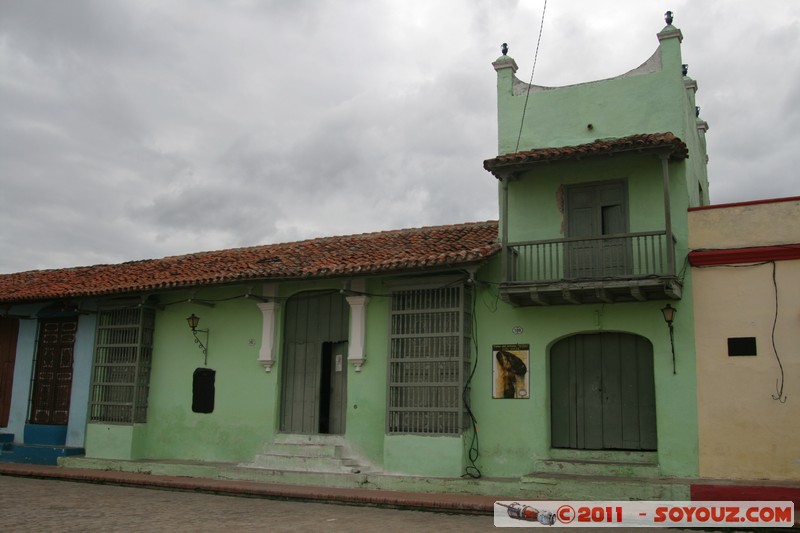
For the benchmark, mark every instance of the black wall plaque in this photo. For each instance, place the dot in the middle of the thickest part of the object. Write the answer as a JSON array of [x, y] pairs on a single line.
[[741, 346], [203, 390]]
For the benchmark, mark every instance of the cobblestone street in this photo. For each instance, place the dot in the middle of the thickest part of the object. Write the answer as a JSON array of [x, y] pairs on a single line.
[[38, 505], [46, 505]]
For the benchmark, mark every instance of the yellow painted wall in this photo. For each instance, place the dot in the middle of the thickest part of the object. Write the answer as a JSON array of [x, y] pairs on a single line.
[[740, 226], [744, 432]]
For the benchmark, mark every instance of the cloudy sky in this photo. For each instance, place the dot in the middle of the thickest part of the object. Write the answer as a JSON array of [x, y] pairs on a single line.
[[133, 129]]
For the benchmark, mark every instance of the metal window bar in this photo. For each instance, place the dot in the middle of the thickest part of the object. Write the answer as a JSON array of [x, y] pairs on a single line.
[[428, 360], [121, 372]]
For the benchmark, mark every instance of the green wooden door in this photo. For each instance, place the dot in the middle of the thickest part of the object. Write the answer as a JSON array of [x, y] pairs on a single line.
[[594, 212], [602, 393], [315, 324]]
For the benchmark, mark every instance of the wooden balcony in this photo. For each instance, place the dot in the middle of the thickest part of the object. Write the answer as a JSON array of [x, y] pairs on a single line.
[[611, 268]]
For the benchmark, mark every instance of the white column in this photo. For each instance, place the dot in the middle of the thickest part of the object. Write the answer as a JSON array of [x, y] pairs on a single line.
[[358, 325], [269, 311]]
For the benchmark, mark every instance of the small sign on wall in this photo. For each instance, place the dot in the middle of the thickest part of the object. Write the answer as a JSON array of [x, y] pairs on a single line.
[[510, 371]]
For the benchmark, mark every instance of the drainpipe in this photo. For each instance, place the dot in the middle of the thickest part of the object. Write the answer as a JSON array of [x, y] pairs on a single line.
[[668, 215]]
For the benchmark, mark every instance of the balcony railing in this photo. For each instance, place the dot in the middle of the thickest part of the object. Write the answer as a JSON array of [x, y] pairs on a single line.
[[623, 256]]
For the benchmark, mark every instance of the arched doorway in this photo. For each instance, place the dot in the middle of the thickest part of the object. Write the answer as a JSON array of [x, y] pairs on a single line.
[[602, 393], [314, 364]]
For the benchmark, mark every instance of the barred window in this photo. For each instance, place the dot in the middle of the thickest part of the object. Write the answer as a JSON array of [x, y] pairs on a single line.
[[121, 373], [429, 360]]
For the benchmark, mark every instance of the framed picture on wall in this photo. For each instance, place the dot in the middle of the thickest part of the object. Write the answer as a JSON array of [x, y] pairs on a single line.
[[511, 376]]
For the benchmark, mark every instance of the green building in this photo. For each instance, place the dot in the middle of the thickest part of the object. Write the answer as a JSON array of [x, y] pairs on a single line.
[[482, 357]]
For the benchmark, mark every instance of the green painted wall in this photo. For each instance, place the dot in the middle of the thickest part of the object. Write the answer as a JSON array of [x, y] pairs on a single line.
[[245, 394], [366, 413], [514, 434], [425, 455], [560, 116], [109, 441], [536, 199], [658, 100]]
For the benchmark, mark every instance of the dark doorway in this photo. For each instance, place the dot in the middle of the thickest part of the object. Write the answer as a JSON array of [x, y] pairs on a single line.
[[314, 369], [602, 393], [52, 384], [333, 388], [9, 331]]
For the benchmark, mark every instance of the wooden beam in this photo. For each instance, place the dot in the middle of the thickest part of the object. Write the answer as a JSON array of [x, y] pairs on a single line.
[[673, 290], [538, 298], [637, 293], [603, 296], [570, 296]]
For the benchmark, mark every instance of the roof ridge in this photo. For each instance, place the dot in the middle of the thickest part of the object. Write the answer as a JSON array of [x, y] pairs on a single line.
[[245, 249], [418, 229]]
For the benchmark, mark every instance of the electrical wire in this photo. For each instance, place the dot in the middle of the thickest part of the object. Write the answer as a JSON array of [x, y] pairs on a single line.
[[528, 92], [779, 382], [778, 388], [474, 453]]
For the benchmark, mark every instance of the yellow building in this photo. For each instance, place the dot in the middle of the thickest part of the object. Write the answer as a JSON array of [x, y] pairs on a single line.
[[745, 259]]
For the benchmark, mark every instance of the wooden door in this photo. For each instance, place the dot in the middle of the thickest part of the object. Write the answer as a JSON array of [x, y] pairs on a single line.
[[9, 331], [52, 384], [602, 393], [315, 327], [337, 393], [597, 210]]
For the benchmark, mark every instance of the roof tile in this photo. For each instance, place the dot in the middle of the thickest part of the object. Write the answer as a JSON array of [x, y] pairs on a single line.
[[368, 253], [647, 141]]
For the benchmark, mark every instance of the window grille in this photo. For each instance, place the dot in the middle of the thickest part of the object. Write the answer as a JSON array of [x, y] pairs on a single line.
[[429, 360], [121, 373]]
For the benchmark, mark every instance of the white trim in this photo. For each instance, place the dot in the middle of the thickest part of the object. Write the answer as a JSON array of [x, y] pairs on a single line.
[[358, 326], [269, 311]]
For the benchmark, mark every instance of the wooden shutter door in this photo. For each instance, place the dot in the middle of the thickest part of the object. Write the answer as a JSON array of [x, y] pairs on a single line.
[[602, 393]]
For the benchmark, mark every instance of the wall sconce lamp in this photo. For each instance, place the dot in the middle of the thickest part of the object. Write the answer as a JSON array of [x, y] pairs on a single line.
[[193, 321], [669, 315]]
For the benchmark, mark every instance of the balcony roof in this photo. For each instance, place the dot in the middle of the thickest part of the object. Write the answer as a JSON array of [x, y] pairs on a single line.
[[648, 142]]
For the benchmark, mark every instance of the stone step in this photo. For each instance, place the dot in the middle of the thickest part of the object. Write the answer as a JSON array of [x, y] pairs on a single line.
[[547, 486], [298, 463], [596, 467], [313, 439], [307, 453], [307, 450], [37, 454]]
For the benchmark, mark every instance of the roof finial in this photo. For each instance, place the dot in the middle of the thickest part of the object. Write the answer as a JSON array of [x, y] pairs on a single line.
[[668, 17], [504, 48]]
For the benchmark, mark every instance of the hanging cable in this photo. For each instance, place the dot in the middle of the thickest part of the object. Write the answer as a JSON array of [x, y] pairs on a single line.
[[778, 382], [528, 92], [472, 469]]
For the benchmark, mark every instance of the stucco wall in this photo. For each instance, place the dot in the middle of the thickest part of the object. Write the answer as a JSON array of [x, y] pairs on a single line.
[[515, 434], [745, 432], [747, 224]]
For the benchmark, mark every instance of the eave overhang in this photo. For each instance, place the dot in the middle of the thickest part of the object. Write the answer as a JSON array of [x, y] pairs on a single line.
[[659, 143]]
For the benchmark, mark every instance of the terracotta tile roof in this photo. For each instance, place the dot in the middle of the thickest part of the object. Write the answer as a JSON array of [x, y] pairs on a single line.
[[676, 148], [368, 253]]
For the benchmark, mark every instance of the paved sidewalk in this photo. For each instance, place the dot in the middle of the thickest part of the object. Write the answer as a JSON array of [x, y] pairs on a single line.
[[453, 503]]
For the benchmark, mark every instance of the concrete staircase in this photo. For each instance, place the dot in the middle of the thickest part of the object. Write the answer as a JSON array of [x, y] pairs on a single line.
[[615, 475], [38, 454], [309, 453], [588, 463]]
